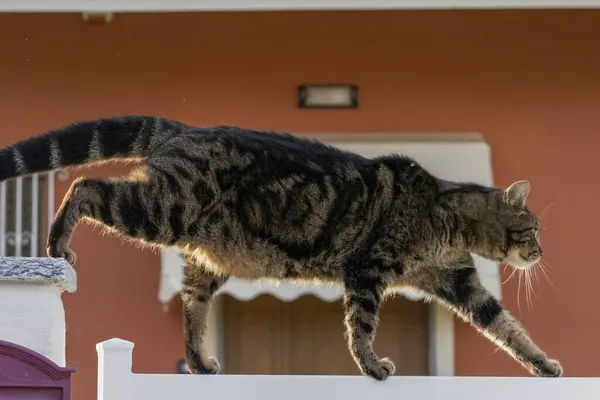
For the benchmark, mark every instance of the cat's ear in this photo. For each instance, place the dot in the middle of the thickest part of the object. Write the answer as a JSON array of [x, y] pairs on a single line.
[[517, 193]]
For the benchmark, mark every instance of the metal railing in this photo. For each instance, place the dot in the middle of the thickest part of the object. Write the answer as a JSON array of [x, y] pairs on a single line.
[[26, 212]]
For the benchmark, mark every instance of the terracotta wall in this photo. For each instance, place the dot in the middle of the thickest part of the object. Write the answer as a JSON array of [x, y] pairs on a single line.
[[528, 80]]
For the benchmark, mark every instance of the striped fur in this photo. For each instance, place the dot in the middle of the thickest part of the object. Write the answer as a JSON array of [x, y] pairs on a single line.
[[253, 205]]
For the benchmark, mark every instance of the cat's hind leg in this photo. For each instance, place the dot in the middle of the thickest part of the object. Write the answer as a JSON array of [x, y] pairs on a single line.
[[134, 208]]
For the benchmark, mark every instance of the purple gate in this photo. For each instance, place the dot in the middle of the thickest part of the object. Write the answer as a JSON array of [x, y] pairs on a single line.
[[28, 375]]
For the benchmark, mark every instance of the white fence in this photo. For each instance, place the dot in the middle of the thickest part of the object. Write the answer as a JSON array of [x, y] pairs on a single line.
[[26, 212], [32, 287], [117, 382]]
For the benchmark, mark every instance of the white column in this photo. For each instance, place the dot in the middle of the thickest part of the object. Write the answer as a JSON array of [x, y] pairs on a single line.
[[441, 341], [114, 370], [31, 309], [213, 341]]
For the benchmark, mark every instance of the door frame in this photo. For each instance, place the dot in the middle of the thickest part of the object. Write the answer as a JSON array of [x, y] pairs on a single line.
[[440, 349]]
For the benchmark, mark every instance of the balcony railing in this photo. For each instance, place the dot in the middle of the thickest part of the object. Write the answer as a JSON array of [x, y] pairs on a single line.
[[26, 212]]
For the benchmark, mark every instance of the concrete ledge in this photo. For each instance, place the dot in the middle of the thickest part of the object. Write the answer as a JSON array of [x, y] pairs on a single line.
[[52, 271]]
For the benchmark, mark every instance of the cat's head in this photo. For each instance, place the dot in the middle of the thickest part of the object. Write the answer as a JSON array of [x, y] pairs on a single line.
[[522, 247]]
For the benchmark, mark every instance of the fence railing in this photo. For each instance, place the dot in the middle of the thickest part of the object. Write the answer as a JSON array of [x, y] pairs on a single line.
[[26, 212], [116, 381]]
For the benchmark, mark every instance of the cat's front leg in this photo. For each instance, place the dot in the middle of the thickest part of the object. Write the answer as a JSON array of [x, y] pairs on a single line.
[[362, 301], [461, 289], [199, 289]]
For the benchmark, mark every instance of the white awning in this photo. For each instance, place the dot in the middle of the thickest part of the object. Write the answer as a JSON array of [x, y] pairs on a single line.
[[452, 157], [108, 6]]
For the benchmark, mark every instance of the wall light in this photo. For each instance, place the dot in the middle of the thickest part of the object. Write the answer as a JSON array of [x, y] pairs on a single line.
[[97, 18], [328, 96]]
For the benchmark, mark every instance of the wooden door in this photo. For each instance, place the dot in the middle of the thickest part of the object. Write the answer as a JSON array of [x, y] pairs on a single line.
[[306, 337]]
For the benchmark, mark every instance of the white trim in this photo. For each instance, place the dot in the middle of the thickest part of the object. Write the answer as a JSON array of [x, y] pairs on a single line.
[[258, 5], [441, 341], [214, 340]]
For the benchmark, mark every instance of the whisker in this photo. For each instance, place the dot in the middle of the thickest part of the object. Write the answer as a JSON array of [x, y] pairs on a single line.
[[543, 270], [531, 295], [510, 276], [519, 291], [548, 267], [545, 210], [531, 284], [527, 290], [535, 273], [547, 264]]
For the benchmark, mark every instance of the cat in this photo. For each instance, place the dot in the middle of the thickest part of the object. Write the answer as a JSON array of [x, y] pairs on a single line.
[[255, 204]]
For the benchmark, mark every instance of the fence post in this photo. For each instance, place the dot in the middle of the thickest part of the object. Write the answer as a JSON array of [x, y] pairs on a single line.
[[114, 369], [31, 309]]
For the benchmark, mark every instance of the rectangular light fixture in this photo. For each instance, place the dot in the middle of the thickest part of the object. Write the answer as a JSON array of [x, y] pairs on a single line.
[[327, 96]]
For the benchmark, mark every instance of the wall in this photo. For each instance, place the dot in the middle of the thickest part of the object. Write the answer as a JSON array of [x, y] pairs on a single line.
[[33, 316], [527, 80]]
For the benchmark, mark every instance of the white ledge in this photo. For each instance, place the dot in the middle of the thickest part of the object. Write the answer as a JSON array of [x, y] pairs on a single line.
[[116, 381], [301, 387], [51, 271], [106, 6]]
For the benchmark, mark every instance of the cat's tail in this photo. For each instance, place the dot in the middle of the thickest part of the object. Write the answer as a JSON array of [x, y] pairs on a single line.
[[87, 142]]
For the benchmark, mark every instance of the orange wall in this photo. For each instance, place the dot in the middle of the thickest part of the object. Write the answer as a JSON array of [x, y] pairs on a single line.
[[529, 81]]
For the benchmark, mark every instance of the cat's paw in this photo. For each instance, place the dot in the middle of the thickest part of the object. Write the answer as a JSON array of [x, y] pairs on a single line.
[[62, 252], [381, 369], [207, 366], [547, 368]]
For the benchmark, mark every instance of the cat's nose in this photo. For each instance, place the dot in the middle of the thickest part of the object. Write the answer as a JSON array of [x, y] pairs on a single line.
[[535, 254]]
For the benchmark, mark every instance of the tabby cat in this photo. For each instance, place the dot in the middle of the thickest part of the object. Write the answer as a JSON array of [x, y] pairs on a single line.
[[250, 204]]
